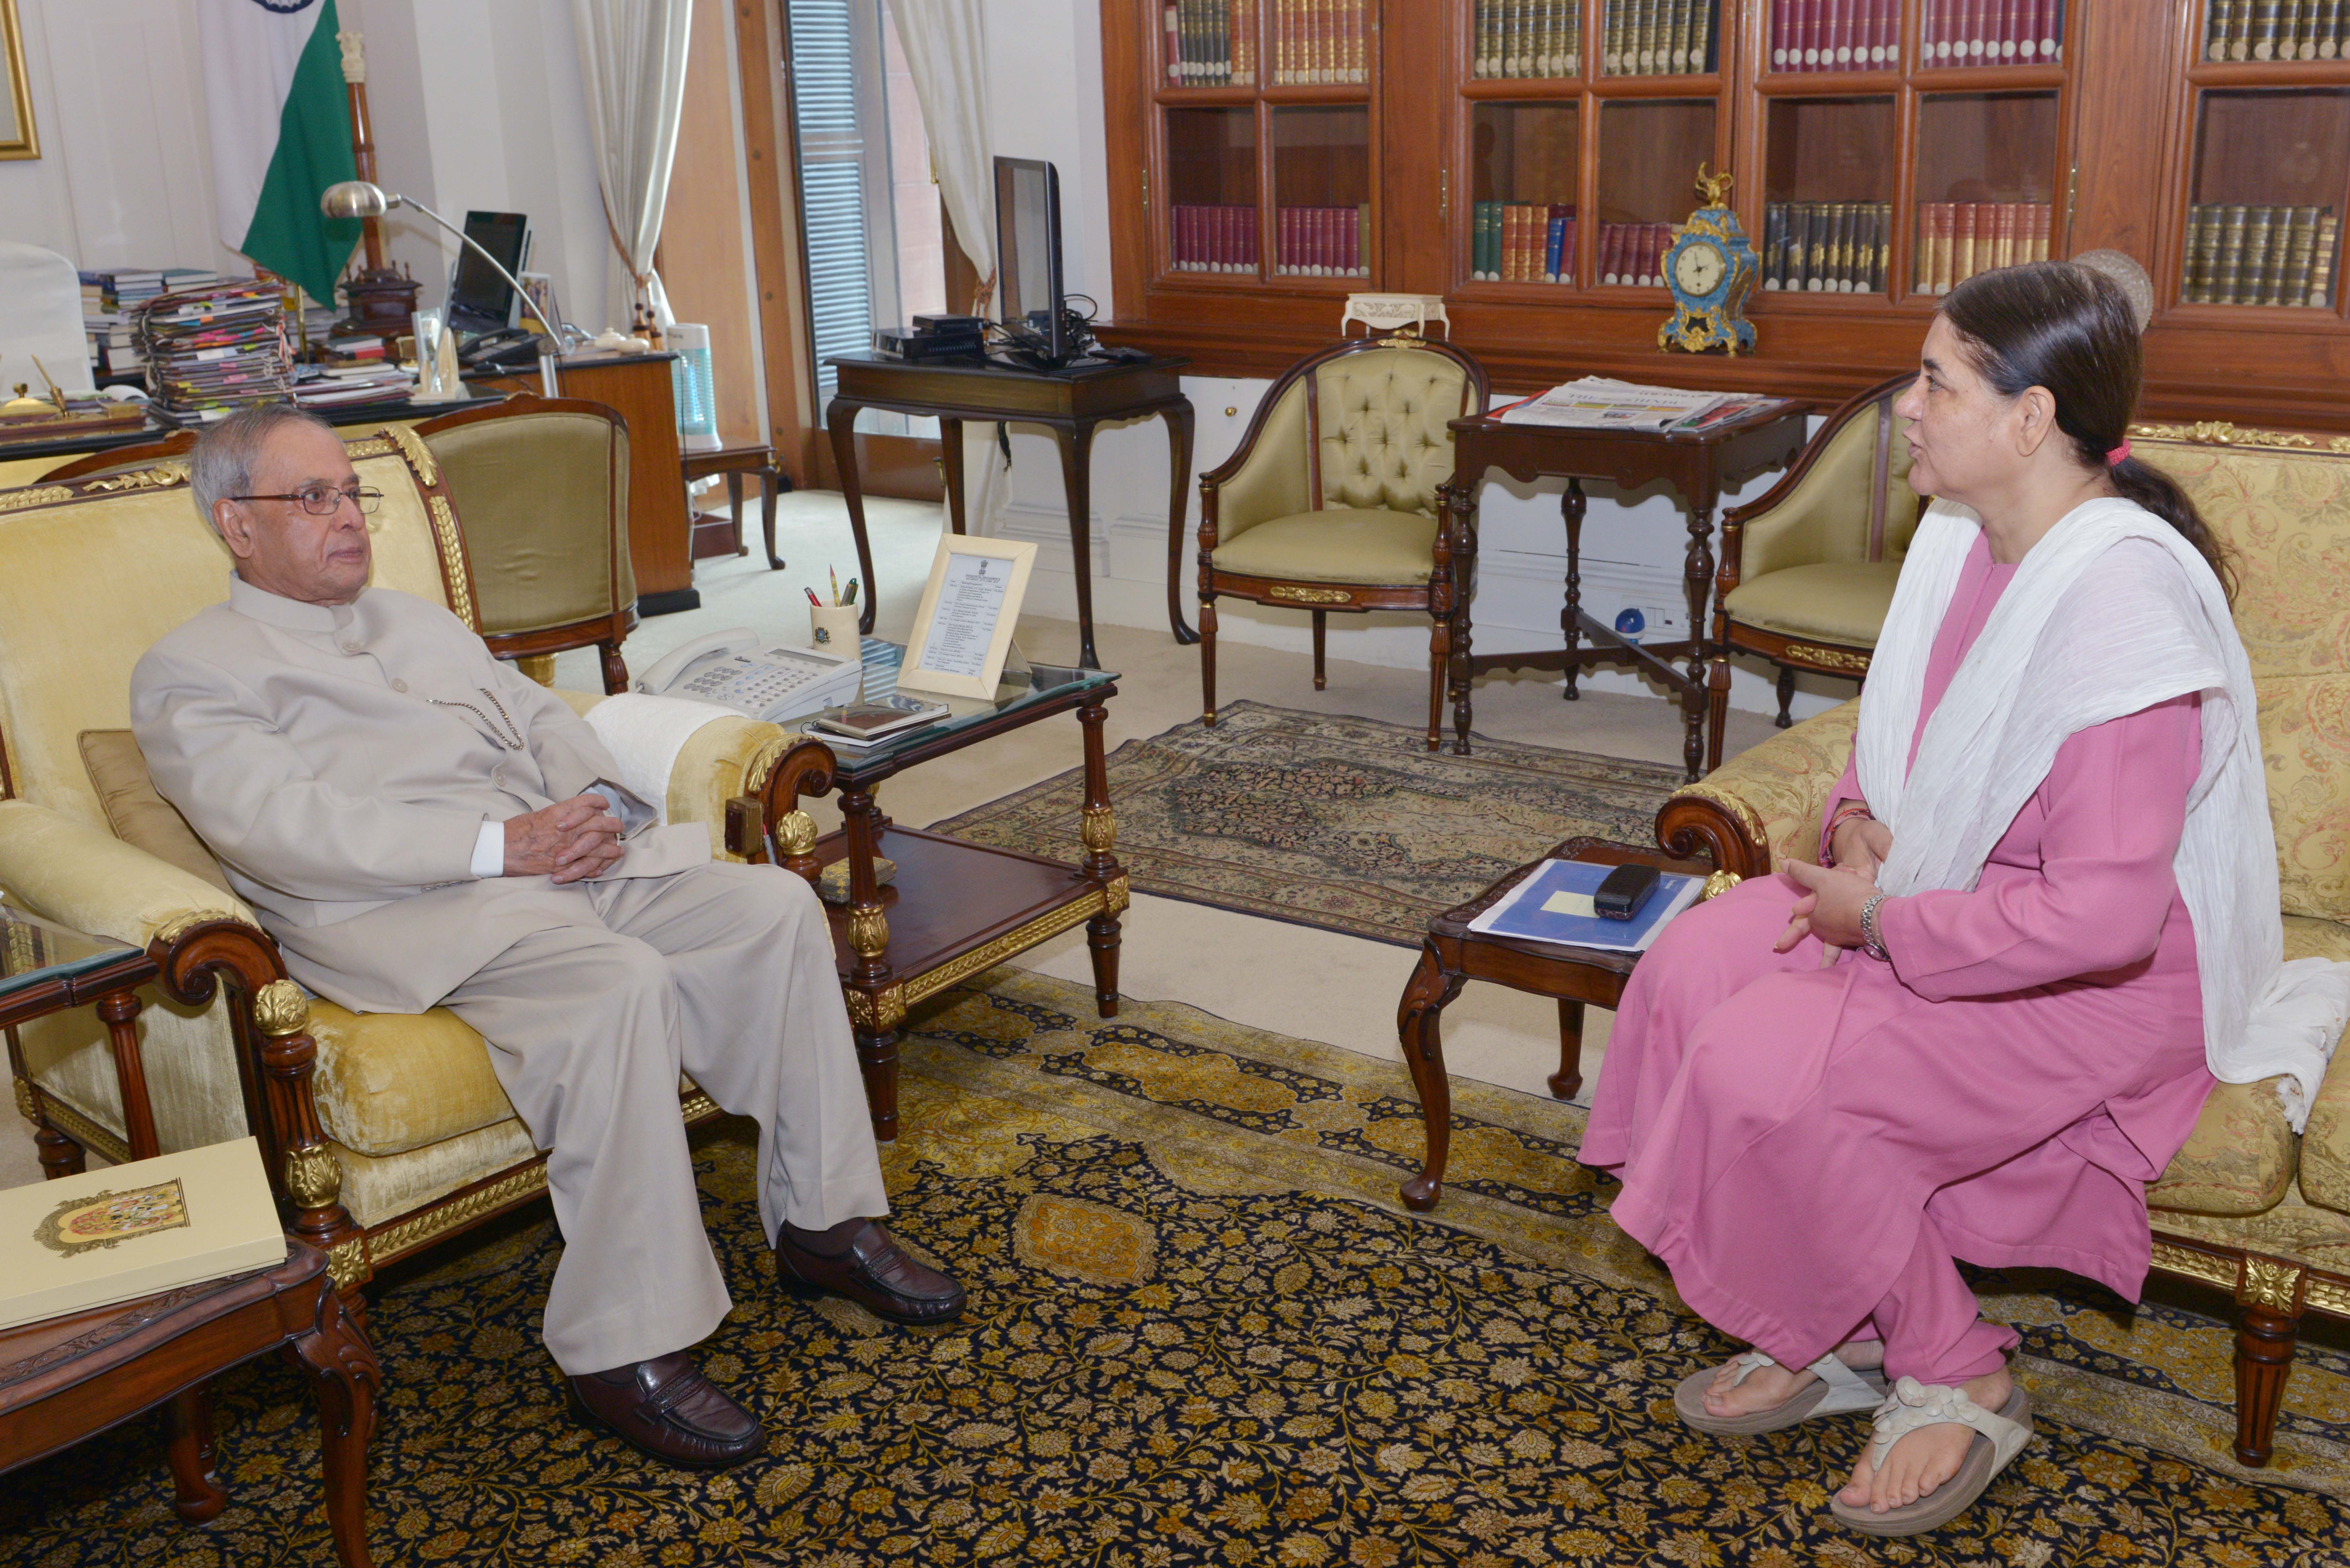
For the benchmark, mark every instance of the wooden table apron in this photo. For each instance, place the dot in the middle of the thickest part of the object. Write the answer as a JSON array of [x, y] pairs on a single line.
[[1698, 466], [1069, 404], [957, 907]]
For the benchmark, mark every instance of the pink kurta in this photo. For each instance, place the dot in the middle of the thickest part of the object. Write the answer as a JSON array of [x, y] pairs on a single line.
[[1807, 1148]]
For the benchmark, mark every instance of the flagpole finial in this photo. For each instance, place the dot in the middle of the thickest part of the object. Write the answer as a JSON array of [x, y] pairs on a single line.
[[354, 47]]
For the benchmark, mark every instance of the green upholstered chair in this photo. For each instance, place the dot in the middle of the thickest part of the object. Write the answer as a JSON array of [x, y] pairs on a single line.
[[541, 487], [1807, 571], [1332, 502]]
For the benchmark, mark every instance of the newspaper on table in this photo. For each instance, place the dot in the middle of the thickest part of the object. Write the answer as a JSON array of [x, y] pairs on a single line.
[[1601, 402]]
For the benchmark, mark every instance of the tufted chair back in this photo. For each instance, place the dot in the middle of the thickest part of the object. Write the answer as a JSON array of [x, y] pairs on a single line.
[[1380, 418]]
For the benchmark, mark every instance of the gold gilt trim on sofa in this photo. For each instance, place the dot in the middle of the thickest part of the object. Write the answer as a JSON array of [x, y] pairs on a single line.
[[1748, 819], [2224, 432], [405, 1235], [47, 496], [452, 557], [1828, 658]]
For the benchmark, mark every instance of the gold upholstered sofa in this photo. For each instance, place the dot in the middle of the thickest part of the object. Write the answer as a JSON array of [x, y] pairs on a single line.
[[2247, 1205], [394, 1132]]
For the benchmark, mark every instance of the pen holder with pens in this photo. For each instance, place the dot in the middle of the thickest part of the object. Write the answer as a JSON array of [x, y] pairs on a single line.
[[835, 627]]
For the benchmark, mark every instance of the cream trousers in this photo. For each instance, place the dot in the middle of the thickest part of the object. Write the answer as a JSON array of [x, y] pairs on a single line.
[[725, 972]]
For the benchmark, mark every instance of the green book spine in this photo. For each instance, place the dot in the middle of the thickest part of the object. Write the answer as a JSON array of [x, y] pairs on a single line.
[[2229, 278], [2304, 30], [2320, 266], [2215, 219], [1700, 34], [1774, 242], [1482, 41], [2300, 250], [2195, 288], [2263, 33], [1644, 43], [1219, 43], [2215, 30], [2252, 262], [2329, 29], [1685, 26], [1489, 232], [1847, 242], [1610, 12], [1513, 38], [1803, 225], [2239, 29], [1545, 37]]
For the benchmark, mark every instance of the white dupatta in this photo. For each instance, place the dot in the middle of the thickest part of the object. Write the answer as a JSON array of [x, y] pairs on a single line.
[[2095, 625]]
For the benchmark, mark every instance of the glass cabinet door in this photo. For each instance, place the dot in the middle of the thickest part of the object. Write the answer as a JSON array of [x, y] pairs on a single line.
[[1649, 150], [2263, 220], [1212, 212], [1827, 190], [1986, 184], [1524, 161], [1322, 192]]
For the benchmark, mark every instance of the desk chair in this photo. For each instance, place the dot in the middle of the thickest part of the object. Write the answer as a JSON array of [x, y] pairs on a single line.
[[1331, 502]]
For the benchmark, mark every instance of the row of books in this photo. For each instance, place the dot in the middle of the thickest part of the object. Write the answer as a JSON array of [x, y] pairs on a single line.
[[1957, 240], [1213, 239], [2260, 255], [106, 296], [1864, 35], [1633, 254], [2277, 30], [1529, 37], [1836, 34], [365, 379], [1827, 247], [1517, 242], [1656, 37], [1319, 242], [1212, 43], [214, 348]]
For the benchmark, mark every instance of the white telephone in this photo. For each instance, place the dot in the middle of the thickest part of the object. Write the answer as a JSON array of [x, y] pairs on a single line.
[[773, 682]]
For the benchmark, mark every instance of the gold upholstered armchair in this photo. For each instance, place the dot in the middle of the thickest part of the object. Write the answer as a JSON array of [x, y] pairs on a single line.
[[385, 1131], [2247, 1205], [542, 487], [1332, 500], [1807, 571]]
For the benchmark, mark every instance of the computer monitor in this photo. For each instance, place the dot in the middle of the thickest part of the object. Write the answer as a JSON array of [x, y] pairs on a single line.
[[1028, 252], [479, 299]]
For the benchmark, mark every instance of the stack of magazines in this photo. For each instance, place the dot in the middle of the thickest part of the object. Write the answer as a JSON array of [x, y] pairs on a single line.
[[1600, 402], [335, 386], [213, 349]]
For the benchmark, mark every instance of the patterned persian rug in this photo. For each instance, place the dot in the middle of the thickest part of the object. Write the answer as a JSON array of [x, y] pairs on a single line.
[[1201, 1333], [1347, 824]]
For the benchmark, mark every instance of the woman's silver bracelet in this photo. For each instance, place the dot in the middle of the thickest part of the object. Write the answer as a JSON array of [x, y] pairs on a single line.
[[1872, 939]]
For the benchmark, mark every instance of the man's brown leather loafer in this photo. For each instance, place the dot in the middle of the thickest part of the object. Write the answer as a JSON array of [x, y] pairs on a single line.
[[668, 1409], [860, 1259]]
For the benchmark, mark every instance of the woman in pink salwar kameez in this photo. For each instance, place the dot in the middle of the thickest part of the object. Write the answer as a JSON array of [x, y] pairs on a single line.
[[1813, 1115]]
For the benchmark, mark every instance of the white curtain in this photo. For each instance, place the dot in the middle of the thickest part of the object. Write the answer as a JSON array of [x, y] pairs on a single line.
[[632, 62], [946, 52]]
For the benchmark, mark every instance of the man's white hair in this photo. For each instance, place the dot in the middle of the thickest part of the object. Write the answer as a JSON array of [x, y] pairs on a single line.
[[221, 465]]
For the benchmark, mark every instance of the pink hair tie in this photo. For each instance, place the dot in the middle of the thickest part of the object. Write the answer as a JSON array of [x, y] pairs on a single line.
[[2118, 456]]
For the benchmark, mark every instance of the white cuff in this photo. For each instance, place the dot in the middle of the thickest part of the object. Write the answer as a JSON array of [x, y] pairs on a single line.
[[490, 850]]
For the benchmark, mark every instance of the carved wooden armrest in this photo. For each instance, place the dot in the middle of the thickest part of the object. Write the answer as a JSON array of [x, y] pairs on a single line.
[[768, 810]]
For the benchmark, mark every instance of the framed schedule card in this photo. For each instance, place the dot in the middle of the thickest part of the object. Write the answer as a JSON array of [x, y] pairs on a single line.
[[963, 632]]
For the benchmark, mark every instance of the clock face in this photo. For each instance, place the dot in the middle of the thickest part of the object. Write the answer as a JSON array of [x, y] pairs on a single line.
[[1699, 267]]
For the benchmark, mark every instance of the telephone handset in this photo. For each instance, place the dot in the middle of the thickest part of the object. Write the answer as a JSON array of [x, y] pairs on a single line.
[[773, 681]]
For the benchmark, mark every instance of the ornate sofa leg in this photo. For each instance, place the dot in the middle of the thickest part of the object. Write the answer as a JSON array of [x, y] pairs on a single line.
[[1786, 718], [2269, 1297]]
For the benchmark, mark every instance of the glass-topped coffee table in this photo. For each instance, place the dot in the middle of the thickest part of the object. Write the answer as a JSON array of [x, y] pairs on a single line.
[[47, 968], [956, 908]]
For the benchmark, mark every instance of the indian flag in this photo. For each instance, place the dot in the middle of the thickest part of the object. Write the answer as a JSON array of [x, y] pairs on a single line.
[[281, 134]]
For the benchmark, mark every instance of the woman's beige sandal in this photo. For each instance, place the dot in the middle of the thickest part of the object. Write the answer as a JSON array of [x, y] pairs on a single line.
[[1837, 1390], [1999, 1438]]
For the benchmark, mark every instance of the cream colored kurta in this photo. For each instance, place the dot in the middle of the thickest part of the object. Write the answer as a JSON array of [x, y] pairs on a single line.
[[342, 762]]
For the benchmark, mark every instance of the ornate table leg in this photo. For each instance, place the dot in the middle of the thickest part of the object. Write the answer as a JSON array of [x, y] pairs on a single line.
[[1567, 1082], [1419, 1028], [950, 470], [771, 485], [1076, 481], [1460, 509], [60, 1156], [1101, 835], [344, 1376], [876, 1002], [1572, 507], [1698, 579], [840, 417], [194, 1479], [1178, 416], [120, 1011]]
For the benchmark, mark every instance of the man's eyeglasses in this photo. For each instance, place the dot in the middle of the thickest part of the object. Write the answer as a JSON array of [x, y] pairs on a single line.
[[322, 500]]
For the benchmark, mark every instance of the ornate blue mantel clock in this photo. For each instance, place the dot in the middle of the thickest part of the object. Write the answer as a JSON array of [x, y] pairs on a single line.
[[1710, 269]]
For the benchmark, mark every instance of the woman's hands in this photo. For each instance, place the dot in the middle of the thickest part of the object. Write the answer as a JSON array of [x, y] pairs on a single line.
[[1830, 906], [1860, 844]]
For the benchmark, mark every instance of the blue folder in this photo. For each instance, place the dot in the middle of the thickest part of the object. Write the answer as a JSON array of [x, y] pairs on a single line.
[[1521, 915]]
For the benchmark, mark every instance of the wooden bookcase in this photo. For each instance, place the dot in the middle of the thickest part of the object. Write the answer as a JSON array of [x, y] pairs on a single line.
[[2131, 138]]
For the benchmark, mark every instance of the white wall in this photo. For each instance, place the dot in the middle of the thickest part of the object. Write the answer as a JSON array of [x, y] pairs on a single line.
[[1045, 72], [473, 105]]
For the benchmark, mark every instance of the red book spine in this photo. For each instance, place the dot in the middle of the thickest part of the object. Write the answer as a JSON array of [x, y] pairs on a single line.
[[1281, 237], [1807, 33], [1603, 260], [1884, 43], [2052, 30], [1325, 246], [2008, 29], [1354, 240], [1779, 12], [1228, 239], [1836, 47], [1203, 236]]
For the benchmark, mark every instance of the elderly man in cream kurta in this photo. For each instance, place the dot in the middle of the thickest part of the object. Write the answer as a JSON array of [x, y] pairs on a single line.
[[418, 824]]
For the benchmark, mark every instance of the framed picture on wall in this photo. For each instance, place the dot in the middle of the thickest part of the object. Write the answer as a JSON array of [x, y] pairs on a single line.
[[16, 135]]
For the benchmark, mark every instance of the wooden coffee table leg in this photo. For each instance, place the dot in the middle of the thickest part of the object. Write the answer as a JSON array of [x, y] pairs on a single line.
[[1418, 1027], [870, 974], [344, 1376], [200, 1496], [1099, 830], [1567, 1082]]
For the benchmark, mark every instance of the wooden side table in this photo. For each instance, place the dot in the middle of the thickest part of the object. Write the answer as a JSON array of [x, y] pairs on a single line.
[[1698, 464], [1453, 955], [1069, 402], [734, 462], [70, 1378]]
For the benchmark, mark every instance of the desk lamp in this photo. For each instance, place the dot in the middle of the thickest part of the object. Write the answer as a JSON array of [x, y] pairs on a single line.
[[358, 199]]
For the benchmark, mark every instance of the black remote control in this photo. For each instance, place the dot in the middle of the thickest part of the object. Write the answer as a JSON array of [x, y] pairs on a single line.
[[1625, 890]]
